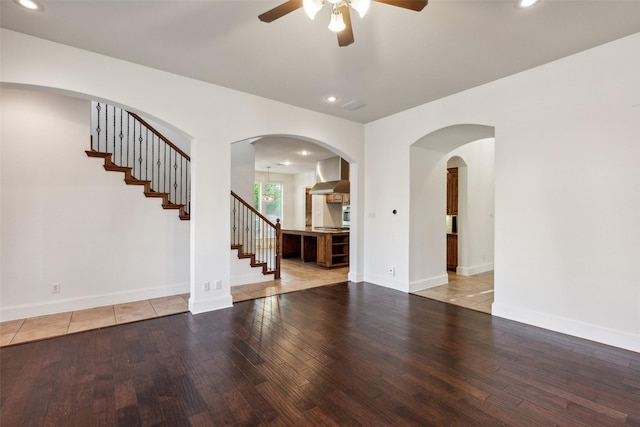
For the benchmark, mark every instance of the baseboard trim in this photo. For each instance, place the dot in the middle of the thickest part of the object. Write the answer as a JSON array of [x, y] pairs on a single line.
[[356, 278], [387, 282], [422, 284], [210, 304], [588, 331], [92, 301], [470, 271]]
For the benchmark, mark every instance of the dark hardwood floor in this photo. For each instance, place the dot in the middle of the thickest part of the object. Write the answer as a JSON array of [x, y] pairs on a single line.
[[353, 354]]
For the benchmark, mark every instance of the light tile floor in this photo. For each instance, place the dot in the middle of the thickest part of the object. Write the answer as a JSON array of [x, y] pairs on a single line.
[[474, 292], [295, 276], [36, 328]]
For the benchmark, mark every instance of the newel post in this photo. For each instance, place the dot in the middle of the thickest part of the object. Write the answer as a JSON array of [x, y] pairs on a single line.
[[278, 248]]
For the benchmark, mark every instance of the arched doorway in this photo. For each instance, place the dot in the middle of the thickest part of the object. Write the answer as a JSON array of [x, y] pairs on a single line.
[[469, 148], [288, 164]]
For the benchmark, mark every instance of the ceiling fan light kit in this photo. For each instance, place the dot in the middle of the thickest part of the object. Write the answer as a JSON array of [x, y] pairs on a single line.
[[340, 21], [311, 7], [337, 21]]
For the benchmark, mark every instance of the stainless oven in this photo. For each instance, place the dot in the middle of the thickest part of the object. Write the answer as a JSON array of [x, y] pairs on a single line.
[[346, 216]]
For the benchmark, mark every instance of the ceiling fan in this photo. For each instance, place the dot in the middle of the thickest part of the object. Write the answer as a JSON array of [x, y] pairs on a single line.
[[340, 16]]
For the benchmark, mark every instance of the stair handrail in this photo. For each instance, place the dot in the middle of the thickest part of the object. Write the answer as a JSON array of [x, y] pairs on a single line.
[[144, 154], [255, 211], [277, 233], [159, 135]]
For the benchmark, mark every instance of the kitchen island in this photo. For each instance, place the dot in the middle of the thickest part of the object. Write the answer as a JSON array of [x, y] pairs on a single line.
[[328, 247]]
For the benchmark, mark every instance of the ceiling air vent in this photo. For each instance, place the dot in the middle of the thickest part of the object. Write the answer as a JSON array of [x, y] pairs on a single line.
[[353, 105]]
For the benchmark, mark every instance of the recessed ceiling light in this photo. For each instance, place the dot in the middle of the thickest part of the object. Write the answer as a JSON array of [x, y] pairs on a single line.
[[331, 99], [29, 4], [528, 3], [287, 163], [304, 153]]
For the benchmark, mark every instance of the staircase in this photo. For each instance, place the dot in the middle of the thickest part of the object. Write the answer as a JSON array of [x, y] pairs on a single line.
[[130, 145], [255, 237]]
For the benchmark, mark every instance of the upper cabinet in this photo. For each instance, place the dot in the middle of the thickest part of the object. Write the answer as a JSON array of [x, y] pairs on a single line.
[[342, 198], [452, 191]]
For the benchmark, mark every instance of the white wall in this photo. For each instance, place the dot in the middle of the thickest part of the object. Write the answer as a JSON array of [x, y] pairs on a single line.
[[243, 165], [214, 116], [566, 160], [427, 262], [65, 220]]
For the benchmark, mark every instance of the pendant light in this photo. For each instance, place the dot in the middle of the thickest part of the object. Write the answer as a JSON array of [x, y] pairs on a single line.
[[266, 196]]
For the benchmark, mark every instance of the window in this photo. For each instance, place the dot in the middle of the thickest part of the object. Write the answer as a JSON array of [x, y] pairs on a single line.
[[272, 210]]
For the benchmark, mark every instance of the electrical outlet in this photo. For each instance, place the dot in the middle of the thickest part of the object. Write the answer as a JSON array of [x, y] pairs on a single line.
[[55, 288], [206, 286], [218, 284], [391, 271]]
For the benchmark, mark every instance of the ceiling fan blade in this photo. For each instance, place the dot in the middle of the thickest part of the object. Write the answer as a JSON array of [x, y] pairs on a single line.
[[416, 5], [280, 11], [345, 37]]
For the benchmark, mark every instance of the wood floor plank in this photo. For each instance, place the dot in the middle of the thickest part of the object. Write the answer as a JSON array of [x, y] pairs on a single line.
[[346, 354]]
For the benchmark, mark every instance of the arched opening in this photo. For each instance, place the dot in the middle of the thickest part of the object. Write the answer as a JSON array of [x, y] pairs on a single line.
[[439, 231], [98, 238], [286, 165]]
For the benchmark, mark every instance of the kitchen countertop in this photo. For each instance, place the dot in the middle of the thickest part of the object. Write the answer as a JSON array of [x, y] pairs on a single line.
[[314, 230]]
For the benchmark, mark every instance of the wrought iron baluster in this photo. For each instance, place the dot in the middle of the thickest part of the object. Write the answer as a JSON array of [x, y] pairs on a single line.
[[181, 177], [164, 175], [140, 139], [98, 130], [114, 135], [159, 163], [128, 140], [106, 128], [133, 158], [175, 177], [121, 136], [146, 155]]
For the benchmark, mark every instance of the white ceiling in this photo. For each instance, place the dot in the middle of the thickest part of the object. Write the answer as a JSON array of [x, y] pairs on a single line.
[[400, 58], [274, 151]]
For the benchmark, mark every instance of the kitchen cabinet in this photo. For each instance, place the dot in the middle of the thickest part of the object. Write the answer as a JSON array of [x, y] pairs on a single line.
[[343, 198], [335, 198], [452, 252], [333, 249], [327, 248], [299, 245], [308, 207], [452, 191]]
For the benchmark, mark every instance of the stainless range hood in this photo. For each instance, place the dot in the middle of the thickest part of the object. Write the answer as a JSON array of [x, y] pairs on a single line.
[[332, 176]]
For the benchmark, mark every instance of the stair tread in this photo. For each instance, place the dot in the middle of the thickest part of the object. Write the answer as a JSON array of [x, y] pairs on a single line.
[[155, 194], [116, 168], [110, 166], [93, 153]]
